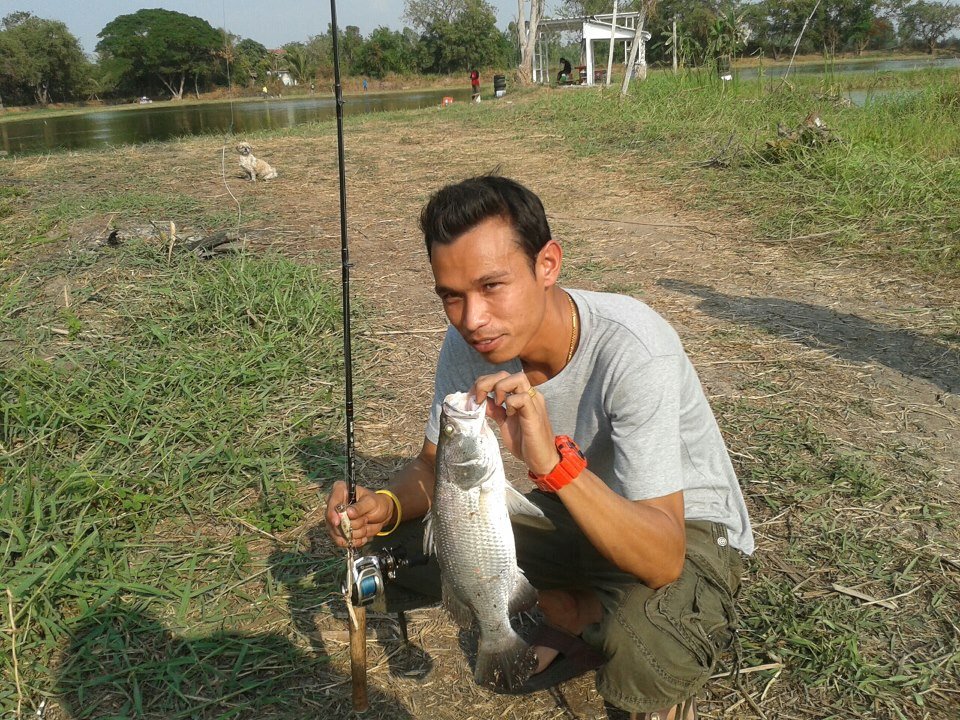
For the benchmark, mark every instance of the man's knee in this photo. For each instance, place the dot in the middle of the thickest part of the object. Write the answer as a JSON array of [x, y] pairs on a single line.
[[642, 677]]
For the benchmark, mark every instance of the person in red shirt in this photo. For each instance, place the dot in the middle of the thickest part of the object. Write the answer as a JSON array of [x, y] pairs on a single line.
[[475, 84]]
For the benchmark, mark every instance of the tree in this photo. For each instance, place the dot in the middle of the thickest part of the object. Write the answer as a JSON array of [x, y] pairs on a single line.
[[695, 20], [839, 24], [387, 51], [528, 30], [882, 34], [459, 35], [297, 62], [159, 45], [251, 61], [40, 60], [351, 40], [320, 51], [422, 14], [928, 22]]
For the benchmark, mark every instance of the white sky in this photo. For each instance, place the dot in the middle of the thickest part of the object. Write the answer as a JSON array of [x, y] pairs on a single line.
[[270, 22]]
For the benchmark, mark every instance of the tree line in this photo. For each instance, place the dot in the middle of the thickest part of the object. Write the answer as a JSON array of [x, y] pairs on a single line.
[[162, 53], [705, 28]]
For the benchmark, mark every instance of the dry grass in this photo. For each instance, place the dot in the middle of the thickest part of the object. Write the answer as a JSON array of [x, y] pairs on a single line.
[[831, 379]]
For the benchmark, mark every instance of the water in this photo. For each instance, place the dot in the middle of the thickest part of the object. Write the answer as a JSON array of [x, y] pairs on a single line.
[[857, 97], [144, 123], [853, 66]]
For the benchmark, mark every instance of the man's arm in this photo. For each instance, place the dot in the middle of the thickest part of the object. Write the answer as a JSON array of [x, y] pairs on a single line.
[[645, 538], [413, 486]]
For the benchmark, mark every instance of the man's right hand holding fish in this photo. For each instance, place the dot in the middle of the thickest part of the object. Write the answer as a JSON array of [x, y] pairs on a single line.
[[634, 534]]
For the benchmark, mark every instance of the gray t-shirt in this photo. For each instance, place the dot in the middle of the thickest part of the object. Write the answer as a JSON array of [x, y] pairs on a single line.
[[632, 401]]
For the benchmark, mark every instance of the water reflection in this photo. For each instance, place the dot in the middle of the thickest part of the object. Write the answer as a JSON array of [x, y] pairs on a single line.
[[144, 123], [857, 66]]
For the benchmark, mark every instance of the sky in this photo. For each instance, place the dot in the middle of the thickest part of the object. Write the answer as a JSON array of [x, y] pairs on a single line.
[[270, 22]]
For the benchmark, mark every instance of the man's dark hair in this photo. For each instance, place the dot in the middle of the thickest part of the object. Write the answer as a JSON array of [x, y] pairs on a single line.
[[457, 208]]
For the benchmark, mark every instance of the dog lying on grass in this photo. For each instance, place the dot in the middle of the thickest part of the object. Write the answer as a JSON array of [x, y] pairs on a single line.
[[252, 167]]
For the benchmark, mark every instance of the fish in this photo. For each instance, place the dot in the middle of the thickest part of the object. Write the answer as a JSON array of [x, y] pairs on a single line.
[[469, 532]]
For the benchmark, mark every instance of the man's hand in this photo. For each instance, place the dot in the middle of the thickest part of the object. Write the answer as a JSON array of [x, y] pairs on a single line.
[[521, 413], [367, 515]]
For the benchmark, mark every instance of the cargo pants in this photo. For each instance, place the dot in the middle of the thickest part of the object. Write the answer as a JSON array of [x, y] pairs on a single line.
[[661, 645]]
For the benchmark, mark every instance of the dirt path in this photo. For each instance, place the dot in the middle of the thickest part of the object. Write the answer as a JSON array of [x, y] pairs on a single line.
[[857, 346]]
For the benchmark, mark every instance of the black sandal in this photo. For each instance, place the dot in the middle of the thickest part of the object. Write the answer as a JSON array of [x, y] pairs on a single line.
[[576, 658]]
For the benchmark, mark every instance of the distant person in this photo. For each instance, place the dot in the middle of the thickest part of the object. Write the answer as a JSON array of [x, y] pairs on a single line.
[[364, 84], [265, 92], [475, 84], [565, 69]]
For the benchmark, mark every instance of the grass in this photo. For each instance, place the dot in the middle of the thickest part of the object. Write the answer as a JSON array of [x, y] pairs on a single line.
[[846, 524], [885, 181], [166, 426], [150, 433]]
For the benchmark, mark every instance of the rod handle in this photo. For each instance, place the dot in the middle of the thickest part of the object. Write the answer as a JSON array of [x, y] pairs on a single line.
[[358, 659]]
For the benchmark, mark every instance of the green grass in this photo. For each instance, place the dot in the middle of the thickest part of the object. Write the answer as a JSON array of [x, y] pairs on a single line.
[[870, 523], [888, 185], [149, 434]]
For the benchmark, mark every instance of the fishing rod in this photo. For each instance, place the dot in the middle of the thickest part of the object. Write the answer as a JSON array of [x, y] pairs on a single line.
[[358, 613]]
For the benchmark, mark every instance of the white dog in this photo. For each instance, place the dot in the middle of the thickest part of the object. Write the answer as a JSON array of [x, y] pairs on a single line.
[[253, 167]]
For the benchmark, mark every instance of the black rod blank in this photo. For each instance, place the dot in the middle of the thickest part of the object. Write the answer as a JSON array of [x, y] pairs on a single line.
[[351, 465]]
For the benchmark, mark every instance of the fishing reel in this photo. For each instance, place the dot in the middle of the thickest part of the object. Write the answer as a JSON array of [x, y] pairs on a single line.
[[371, 571]]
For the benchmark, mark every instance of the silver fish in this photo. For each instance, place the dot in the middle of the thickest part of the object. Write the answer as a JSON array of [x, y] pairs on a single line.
[[469, 531]]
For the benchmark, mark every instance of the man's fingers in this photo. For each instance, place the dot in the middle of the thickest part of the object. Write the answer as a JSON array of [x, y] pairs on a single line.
[[509, 390], [486, 384]]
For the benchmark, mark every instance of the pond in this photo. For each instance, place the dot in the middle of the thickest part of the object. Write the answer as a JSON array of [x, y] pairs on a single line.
[[853, 66], [143, 123]]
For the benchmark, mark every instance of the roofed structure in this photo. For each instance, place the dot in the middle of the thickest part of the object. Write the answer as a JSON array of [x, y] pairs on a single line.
[[621, 27]]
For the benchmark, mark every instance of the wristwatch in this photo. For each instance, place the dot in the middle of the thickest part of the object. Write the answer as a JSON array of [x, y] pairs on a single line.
[[572, 462]]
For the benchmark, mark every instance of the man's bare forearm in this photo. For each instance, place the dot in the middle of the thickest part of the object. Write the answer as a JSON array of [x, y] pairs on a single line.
[[645, 538], [413, 484]]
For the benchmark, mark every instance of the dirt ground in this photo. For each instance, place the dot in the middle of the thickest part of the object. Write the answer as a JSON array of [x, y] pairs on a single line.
[[858, 345], [858, 341]]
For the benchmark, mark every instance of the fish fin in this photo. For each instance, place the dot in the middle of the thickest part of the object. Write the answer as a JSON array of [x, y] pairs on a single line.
[[428, 545], [505, 664], [459, 610], [524, 595], [518, 504], [523, 512]]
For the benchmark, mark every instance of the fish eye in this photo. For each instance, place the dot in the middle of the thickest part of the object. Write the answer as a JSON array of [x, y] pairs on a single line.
[[448, 429]]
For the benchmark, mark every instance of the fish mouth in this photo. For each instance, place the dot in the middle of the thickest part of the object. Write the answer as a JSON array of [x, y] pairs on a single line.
[[463, 406]]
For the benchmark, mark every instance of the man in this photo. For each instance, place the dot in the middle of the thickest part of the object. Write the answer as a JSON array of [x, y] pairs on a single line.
[[643, 562], [475, 85]]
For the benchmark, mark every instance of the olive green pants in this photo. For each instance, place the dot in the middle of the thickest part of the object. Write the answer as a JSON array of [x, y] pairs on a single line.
[[661, 645]]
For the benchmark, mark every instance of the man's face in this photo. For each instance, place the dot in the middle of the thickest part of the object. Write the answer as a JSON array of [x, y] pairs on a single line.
[[490, 293]]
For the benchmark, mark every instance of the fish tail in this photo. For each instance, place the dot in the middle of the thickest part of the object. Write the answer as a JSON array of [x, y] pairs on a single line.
[[506, 663]]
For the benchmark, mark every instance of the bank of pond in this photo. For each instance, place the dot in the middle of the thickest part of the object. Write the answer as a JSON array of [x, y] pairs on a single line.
[[859, 82]]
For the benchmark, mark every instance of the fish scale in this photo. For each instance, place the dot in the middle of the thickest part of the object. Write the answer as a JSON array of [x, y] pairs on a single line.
[[470, 533]]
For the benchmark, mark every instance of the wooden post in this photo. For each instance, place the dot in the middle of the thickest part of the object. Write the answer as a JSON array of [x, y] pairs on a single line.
[[634, 50], [613, 39], [358, 659]]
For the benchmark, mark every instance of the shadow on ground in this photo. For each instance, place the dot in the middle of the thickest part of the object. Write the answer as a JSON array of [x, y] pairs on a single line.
[[123, 661], [845, 335]]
